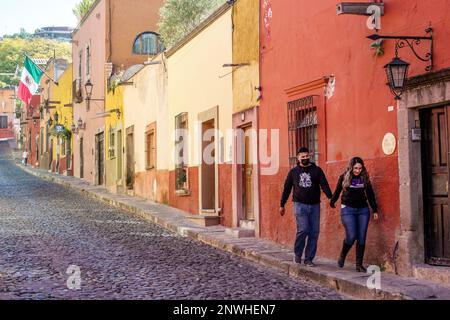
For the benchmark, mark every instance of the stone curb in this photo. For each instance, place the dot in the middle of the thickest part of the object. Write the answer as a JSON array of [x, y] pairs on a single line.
[[345, 281]]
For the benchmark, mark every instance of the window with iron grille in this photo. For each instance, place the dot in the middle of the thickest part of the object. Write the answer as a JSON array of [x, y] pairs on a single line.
[[181, 168], [302, 118]]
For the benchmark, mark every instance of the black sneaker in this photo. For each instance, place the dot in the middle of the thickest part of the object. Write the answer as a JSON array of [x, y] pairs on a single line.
[[310, 264], [298, 259]]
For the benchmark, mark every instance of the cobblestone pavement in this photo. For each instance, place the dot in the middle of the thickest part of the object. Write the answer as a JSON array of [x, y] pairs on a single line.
[[45, 228]]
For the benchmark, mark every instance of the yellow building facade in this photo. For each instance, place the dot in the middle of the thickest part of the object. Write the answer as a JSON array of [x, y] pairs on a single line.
[[61, 115], [200, 101]]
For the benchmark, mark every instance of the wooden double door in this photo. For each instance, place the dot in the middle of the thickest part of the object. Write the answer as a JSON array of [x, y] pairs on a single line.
[[435, 165]]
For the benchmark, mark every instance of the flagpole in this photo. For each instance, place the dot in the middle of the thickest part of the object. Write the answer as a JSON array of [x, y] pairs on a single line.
[[43, 72]]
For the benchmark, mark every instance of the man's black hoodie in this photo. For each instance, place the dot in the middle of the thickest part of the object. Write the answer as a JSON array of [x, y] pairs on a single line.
[[306, 182]]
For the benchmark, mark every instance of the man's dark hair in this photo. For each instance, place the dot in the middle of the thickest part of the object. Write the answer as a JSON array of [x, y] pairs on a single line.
[[303, 150]]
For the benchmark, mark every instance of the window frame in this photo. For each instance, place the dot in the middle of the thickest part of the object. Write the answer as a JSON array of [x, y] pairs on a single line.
[[150, 149], [182, 123], [159, 44], [5, 121], [303, 128]]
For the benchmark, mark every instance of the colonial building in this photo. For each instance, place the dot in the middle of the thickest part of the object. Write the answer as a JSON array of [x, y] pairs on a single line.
[[113, 36], [200, 100], [7, 113], [324, 86]]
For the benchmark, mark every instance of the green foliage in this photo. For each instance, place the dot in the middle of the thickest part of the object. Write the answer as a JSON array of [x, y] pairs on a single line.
[[64, 133], [12, 54], [179, 17], [378, 47], [81, 8]]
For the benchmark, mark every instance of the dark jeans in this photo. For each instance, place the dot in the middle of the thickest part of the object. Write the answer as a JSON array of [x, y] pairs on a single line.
[[356, 223], [308, 226]]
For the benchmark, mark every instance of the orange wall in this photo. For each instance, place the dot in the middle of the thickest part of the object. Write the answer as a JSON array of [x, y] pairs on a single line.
[[129, 19], [302, 41]]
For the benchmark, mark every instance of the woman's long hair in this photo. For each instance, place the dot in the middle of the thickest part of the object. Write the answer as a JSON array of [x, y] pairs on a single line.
[[348, 175]]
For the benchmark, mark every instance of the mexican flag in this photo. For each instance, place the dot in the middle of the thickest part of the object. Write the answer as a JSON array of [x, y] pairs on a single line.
[[29, 82]]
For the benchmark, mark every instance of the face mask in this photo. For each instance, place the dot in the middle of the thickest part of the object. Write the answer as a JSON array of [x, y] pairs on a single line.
[[305, 162]]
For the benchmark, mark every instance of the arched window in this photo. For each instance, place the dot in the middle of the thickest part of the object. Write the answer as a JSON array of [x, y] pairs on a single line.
[[148, 43]]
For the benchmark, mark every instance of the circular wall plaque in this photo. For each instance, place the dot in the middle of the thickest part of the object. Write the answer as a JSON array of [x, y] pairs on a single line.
[[389, 144]]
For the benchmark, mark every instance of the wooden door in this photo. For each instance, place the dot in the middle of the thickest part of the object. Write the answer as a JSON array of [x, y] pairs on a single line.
[[208, 170], [81, 158], [435, 153], [130, 158], [247, 176], [101, 158], [119, 155]]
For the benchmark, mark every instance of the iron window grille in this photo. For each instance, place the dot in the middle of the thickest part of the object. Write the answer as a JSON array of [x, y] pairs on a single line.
[[303, 123]]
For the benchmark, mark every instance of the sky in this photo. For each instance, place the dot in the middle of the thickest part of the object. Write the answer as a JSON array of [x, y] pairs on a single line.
[[32, 14]]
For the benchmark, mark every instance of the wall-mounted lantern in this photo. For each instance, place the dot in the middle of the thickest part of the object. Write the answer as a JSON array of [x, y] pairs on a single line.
[[81, 124], [397, 69]]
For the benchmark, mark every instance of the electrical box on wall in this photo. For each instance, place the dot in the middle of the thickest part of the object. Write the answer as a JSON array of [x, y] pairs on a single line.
[[359, 8], [416, 134]]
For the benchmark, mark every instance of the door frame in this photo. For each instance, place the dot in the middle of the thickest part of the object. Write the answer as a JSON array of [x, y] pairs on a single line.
[[130, 131], [206, 116], [429, 259], [240, 120], [423, 91], [97, 159]]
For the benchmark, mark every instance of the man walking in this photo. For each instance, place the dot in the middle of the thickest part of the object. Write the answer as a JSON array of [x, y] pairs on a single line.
[[306, 180]]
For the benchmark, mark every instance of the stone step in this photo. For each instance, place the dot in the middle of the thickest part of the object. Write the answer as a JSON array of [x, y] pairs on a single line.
[[240, 233], [247, 224], [205, 220]]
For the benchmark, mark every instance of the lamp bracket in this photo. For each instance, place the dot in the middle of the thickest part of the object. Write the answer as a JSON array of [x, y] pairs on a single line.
[[412, 42]]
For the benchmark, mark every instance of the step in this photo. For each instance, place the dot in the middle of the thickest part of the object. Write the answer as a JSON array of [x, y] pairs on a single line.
[[240, 233], [247, 224], [205, 220]]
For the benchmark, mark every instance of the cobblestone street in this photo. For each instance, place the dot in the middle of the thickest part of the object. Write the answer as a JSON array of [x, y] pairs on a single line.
[[45, 228]]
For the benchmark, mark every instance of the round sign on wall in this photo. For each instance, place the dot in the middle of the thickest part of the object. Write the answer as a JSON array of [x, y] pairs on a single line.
[[389, 144]]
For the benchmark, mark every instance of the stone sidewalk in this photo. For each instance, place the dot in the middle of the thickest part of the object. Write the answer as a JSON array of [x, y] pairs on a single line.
[[345, 281]]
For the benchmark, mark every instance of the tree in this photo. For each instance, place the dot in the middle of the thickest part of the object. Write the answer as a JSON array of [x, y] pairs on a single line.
[[82, 8], [12, 54], [179, 17]]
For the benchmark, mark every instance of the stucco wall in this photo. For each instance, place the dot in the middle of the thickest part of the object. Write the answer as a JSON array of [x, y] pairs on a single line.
[[145, 103], [198, 81], [356, 116], [245, 51], [93, 33]]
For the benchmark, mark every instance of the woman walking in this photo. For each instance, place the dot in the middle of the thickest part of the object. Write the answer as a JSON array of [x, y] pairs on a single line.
[[357, 192]]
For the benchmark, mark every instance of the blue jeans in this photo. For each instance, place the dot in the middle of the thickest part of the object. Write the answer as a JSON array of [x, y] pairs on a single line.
[[308, 226], [356, 223]]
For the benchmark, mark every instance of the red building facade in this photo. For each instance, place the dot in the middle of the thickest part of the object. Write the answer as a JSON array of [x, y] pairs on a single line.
[[324, 87]]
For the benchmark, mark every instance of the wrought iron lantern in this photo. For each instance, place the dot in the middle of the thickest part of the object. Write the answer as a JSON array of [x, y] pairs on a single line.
[[397, 74], [89, 87]]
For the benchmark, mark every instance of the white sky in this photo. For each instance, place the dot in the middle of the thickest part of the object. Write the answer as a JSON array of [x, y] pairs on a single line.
[[34, 14]]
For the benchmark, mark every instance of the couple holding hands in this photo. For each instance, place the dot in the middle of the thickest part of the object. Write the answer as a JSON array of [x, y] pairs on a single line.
[[306, 180]]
